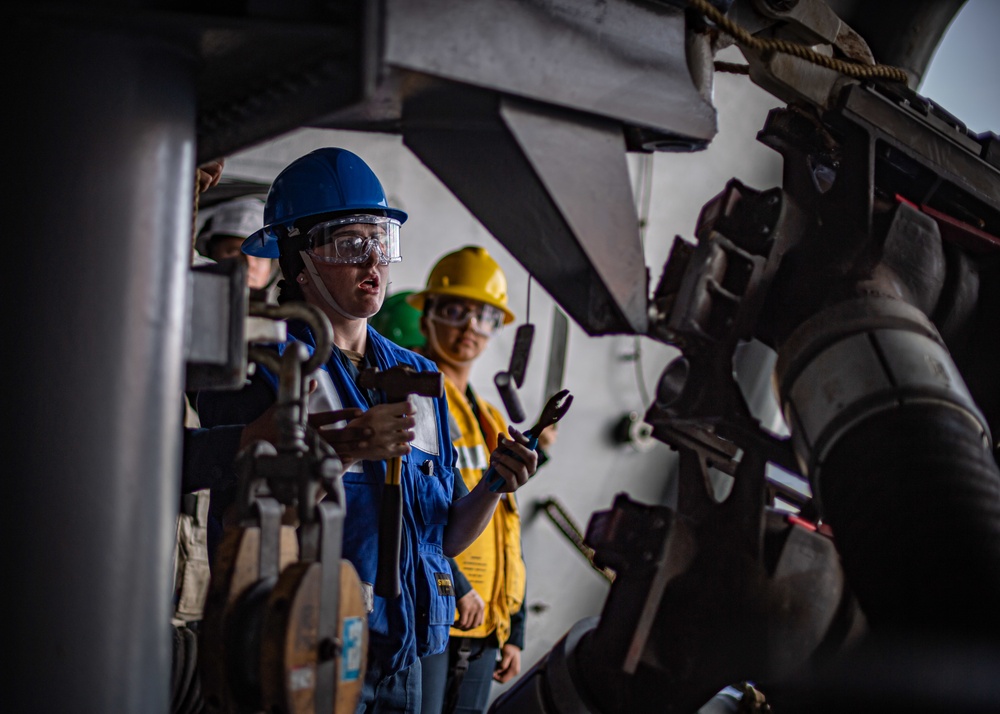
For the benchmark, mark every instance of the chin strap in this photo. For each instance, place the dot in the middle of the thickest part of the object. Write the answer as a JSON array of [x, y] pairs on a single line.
[[436, 346], [321, 287]]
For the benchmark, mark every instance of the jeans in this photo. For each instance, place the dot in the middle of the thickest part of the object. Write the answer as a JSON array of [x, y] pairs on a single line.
[[474, 693], [397, 693]]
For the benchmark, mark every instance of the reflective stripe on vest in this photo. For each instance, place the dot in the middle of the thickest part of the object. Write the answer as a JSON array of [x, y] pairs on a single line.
[[472, 457]]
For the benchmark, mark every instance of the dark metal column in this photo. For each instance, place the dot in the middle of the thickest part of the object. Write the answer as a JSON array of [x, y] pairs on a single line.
[[99, 172]]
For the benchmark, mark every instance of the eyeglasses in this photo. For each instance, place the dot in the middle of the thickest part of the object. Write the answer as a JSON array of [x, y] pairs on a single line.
[[351, 239], [487, 318]]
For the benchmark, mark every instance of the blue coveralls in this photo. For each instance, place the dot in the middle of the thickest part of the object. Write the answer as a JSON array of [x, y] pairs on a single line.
[[416, 623]]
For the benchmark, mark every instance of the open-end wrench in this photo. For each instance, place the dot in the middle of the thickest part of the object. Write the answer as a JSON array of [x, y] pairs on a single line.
[[554, 410]]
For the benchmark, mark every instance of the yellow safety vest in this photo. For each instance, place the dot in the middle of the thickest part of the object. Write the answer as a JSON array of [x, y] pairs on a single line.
[[493, 564]]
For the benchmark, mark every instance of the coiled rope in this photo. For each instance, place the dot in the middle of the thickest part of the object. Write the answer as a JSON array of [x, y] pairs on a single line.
[[856, 70]]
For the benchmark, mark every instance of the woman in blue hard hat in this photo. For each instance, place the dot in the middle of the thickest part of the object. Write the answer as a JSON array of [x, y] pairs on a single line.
[[327, 222]]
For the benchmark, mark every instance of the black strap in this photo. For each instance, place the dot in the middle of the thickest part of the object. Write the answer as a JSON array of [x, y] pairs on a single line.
[[189, 504], [458, 670], [474, 405]]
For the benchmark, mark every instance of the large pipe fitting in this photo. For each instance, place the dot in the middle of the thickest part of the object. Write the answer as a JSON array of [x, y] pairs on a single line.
[[858, 359], [899, 457]]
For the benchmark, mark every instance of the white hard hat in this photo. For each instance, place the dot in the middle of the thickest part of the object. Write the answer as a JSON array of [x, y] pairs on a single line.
[[239, 217]]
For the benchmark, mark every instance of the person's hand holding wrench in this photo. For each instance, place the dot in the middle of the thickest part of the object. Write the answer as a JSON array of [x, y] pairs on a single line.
[[554, 410], [512, 463]]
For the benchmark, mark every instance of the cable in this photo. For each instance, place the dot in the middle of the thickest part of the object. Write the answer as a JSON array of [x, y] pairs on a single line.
[[849, 69], [644, 192], [640, 378], [527, 309]]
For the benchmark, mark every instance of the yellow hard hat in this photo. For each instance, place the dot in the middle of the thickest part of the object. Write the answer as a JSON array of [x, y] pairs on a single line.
[[469, 272]]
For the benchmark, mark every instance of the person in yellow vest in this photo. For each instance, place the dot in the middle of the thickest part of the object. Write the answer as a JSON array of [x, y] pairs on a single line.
[[462, 306], [400, 322]]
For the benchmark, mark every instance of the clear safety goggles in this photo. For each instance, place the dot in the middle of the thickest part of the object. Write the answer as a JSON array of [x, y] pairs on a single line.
[[349, 240], [486, 319]]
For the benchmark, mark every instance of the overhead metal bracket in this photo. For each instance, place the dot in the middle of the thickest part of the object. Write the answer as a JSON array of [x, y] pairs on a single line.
[[551, 185]]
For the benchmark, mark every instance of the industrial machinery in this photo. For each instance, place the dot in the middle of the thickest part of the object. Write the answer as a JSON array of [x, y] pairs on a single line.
[[872, 271], [285, 627]]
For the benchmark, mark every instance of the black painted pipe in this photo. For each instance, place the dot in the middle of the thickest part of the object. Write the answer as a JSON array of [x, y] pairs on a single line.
[[913, 498]]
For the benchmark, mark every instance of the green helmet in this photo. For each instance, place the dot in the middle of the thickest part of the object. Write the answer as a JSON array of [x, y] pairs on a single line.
[[399, 321]]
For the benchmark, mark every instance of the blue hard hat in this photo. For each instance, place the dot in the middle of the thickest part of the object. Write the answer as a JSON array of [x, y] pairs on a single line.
[[323, 181]]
